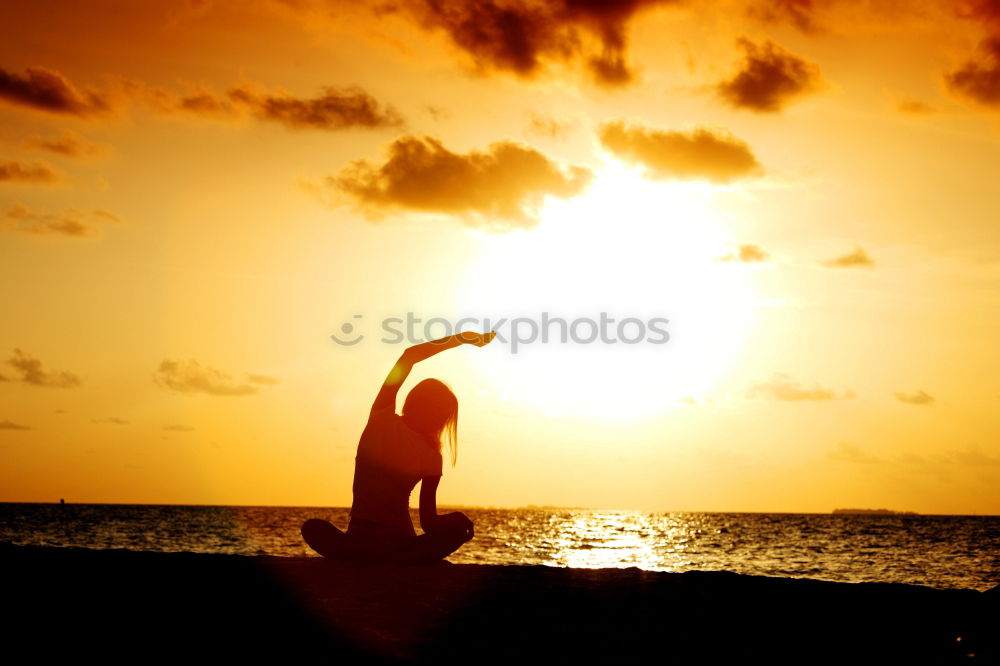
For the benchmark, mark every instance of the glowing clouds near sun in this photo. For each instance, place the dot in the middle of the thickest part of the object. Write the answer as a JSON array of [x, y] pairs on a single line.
[[497, 189], [700, 154]]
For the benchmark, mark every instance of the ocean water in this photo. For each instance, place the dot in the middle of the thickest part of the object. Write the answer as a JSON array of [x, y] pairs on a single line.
[[938, 551]]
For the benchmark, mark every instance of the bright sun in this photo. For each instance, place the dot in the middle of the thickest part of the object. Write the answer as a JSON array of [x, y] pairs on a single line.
[[630, 248]]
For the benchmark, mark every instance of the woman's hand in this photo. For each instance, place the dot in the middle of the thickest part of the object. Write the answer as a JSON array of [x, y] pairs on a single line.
[[478, 339]]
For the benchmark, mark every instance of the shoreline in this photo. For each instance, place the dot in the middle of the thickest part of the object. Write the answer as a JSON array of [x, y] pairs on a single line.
[[124, 605]]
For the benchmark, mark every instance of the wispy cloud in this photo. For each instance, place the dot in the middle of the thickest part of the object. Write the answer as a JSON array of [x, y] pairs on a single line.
[[178, 427], [30, 371], [191, 377], [747, 254], [541, 124], [852, 453], [27, 172], [914, 107], [921, 398], [782, 387], [333, 109], [857, 258], [71, 222], [65, 145]]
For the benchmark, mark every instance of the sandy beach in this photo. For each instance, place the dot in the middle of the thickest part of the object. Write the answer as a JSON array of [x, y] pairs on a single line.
[[122, 605]]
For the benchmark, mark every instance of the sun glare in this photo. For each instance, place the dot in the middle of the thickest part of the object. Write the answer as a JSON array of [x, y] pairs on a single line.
[[635, 250]]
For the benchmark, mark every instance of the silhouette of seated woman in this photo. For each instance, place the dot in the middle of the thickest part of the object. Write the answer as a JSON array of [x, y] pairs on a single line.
[[394, 453]]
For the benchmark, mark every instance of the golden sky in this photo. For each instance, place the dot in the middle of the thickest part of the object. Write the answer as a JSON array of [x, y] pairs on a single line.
[[194, 196]]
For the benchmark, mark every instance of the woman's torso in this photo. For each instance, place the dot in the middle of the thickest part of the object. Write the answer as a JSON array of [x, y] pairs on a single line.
[[391, 459]]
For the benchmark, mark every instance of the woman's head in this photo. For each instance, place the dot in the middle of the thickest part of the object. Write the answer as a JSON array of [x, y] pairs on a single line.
[[432, 410]]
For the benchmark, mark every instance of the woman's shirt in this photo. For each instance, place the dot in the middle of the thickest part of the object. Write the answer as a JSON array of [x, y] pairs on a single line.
[[391, 459]]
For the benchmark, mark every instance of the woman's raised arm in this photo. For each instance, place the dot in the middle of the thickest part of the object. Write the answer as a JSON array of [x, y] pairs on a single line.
[[386, 397]]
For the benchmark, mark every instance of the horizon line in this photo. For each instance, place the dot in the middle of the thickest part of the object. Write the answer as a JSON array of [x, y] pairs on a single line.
[[860, 511]]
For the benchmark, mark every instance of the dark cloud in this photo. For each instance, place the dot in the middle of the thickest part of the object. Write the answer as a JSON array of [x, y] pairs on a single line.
[[192, 377], [111, 420], [522, 36], [984, 11], [206, 104], [979, 80], [31, 372], [799, 13], [857, 258], [747, 254], [782, 387], [22, 172], [919, 398], [497, 189], [48, 90], [72, 223], [334, 109], [10, 425], [769, 78], [701, 154]]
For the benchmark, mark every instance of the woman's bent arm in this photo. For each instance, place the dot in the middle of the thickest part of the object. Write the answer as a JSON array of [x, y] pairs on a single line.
[[386, 397], [428, 502], [429, 520]]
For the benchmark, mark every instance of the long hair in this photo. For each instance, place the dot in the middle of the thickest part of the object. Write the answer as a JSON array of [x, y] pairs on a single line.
[[432, 409]]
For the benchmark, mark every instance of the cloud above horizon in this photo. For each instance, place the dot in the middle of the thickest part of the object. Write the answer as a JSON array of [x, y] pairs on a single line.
[[333, 109], [72, 223], [31, 372], [541, 124], [65, 145], [26, 172], [178, 427], [782, 387], [699, 154], [10, 425], [747, 254], [921, 398], [857, 258], [852, 453], [769, 78], [978, 80], [191, 377], [799, 13], [111, 420], [498, 189], [47, 90]]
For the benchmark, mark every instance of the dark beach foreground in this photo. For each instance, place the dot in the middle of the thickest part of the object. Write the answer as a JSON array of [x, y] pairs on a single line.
[[116, 605]]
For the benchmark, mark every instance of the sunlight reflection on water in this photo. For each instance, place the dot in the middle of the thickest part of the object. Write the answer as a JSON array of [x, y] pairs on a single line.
[[941, 551]]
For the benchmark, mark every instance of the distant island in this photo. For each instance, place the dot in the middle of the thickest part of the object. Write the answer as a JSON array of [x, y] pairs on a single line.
[[877, 512]]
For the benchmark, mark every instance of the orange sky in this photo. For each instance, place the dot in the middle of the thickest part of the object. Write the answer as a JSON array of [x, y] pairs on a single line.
[[195, 196]]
